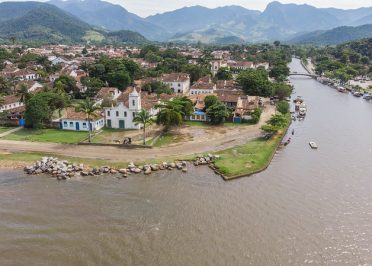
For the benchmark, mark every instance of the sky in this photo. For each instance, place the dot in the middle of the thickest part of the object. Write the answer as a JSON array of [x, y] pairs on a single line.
[[145, 8]]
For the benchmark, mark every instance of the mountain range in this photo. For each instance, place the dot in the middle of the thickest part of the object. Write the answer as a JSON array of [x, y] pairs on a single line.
[[335, 36], [45, 23], [277, 22], [94, 20]]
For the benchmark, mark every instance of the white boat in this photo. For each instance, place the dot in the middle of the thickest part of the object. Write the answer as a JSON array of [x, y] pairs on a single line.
[[313, 145]]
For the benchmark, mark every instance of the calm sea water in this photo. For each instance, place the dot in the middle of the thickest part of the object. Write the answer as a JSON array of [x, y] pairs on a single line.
[[309, 207]]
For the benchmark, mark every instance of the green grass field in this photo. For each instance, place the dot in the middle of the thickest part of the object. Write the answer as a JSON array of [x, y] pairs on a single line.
[[247, 159], [250, 158], [5, 129], [48, 135]]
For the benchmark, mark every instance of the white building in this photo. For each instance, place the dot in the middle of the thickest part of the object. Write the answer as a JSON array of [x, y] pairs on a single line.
[[203, 86], [25, 74], [179, 82], [77, 121], [10, 102], [216, 65], [121, 116]]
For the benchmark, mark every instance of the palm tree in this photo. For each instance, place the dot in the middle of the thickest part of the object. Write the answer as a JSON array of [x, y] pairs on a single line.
[[89, 107], [23, 93], [145, 119]]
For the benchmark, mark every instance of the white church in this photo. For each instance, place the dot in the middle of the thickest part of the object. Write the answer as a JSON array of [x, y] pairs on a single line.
[[121, 115]]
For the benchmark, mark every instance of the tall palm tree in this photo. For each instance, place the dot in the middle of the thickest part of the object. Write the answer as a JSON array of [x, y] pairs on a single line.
[[89, 107], [145, 119]]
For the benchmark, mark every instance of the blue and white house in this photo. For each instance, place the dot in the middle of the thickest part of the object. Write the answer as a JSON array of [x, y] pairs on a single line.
[[77, 121]]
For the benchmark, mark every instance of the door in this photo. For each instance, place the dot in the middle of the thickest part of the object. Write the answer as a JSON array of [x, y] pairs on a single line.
[[109, 123], [121, 124], [77, 126]]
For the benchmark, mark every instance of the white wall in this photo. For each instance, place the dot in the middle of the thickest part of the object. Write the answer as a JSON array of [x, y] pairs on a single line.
[[83, 125]]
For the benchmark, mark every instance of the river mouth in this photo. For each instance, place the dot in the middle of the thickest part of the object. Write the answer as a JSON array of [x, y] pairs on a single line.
[[309, 207]]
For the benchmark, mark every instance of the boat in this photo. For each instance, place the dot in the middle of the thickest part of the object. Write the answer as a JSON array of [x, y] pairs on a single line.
[[367, 96], [341, 89], [313, 145], [298, 99], [287, 142]]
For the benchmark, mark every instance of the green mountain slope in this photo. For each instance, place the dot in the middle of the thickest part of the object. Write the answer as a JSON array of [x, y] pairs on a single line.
[[110, 17], [335, 36], [44, 23]]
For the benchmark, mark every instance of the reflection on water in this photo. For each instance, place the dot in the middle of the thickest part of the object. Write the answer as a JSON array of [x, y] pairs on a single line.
[[309, 207]]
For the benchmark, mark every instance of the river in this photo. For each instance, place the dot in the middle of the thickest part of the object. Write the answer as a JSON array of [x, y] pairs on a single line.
[[309, 207]]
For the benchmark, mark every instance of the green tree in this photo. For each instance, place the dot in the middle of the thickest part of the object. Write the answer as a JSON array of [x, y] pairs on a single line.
[[195, 71], [210, 100], [2, 101], [158, 87], [283, 107], [92, 84], [145, 119], [186, 107], [279, 72], [40, 108], [224, 74], [119, 79], [281, 90], [218, 113], [90, 109], [23, 93], [68, 84], [278, 120], [255, 82], [270, 129], [169, 115]]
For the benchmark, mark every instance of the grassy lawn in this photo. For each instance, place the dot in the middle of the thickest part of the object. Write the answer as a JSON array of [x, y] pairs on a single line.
[[249, 158], [48, 135], [5, 129], [204, 124], [168, 138]]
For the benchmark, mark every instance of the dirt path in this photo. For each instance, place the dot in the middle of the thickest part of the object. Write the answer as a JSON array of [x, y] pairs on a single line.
[[233, 136]]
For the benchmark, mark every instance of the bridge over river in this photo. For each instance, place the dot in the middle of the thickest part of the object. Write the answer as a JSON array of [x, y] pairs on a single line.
[[303, 74]]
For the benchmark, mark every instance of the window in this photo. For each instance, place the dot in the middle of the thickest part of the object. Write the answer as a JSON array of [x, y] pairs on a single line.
[[179, 85], [133, 102], [108, 113], [134, 114], [117, 113], [125, 114], [84, 125], [71, 124], [65, 124]]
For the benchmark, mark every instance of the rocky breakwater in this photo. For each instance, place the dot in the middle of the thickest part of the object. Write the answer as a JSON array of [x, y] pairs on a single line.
[[63, 169]]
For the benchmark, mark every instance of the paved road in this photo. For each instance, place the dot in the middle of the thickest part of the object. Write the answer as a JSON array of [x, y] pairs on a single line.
[[234, 136]]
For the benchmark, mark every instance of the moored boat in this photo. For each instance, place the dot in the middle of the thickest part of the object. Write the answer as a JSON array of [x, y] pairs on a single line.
[[313, 145]]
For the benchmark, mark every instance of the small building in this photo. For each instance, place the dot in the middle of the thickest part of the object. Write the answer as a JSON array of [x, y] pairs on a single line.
[[11, 102], [216, 65], [106, 92], [178, 82], [78, 121], [26, 74], [203, 86], [244, 108]]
